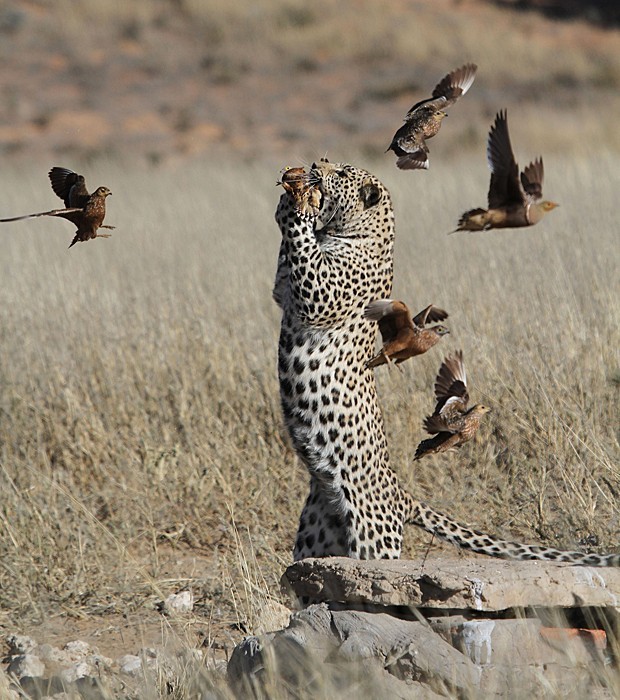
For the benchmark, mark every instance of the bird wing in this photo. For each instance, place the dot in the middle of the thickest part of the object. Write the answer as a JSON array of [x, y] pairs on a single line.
[[532, 179], [430, 105], [418, 160], [69, 186], [72, 214], [504, 188], [431, 314], [391, 315], [456, 83], [442, 442], [451, 384], [450, 420]]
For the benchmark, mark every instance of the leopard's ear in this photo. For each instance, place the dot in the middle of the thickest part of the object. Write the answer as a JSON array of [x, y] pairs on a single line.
[[370, 194]]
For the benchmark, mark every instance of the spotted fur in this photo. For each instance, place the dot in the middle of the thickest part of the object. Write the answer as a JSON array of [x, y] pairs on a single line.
[[331, 265]]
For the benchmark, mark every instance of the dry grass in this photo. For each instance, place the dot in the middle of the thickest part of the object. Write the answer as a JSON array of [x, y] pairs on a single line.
[[140, 420]]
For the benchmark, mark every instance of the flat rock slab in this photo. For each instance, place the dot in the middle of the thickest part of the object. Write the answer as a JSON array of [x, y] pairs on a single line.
[[481, 584]]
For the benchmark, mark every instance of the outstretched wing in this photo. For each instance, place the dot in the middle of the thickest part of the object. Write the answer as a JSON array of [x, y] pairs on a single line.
[[69, 186], [504, 188], [456, 83], [391, 315], [431, 314], [418, 160], [451, 386]]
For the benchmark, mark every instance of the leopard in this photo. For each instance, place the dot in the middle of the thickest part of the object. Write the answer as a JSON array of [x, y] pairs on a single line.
[[335, 259]]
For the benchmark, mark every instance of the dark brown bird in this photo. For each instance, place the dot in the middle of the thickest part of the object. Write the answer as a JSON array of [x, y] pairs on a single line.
[[86, 211], [404, 337], [452, 423], [424, 119], [514, 200]]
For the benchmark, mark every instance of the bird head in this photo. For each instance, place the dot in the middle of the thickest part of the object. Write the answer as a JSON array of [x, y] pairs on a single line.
[[440, 330], [102, 191], [439, 115], [481, 409], [548, 206]]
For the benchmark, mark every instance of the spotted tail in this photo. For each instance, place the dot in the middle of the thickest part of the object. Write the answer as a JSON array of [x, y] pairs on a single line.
[[465, 537]]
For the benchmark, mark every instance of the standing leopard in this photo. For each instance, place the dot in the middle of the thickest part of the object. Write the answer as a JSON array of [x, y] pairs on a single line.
[[334, 260]]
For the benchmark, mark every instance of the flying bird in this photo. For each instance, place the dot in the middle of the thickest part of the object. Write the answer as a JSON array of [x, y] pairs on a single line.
[[514, 200], [404, 337], [424, 119], [86, 211], [452, 423]]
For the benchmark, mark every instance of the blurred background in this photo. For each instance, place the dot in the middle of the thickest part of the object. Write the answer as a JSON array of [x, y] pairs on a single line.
[[162, 80]]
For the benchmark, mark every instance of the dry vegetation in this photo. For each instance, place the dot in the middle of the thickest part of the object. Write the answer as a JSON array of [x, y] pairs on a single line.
[[141, 440]]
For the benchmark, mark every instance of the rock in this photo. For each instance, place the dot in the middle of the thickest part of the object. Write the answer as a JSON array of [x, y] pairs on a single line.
[[271, 616], [481, 584], [77, 650], [28, 665], [130, 665], [345, 644], [179, 602], [81, 669], [20, 644]]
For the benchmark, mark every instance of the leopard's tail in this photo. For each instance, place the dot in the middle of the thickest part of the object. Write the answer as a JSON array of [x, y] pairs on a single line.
[[465, 537]]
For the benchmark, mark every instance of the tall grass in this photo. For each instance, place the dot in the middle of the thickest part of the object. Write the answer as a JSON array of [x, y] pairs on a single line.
[[139, 402]]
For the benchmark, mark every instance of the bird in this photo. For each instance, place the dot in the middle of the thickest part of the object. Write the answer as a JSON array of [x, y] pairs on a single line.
[[424, 119], [514, 199], [404, 337], [452, 423], [307, 196], [84, 210]]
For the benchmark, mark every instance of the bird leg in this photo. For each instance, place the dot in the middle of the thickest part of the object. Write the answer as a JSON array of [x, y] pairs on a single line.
[[106, 226], [104, 235]]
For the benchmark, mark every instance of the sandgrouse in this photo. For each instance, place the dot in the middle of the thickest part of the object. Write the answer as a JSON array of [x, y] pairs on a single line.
[[424, 119], [514, 200], [84, 210], [404, 337], [452, 423]]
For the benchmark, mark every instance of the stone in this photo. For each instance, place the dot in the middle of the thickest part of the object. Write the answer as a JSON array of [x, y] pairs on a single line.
[[348, 645], [271, 616], [26, 665], [81, 669], [130, 665], [20, 644], [179, 602], [77, 650], [480, 584]]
